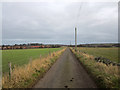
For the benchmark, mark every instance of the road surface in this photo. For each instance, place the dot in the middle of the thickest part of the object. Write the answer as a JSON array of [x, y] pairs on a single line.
[[67, 72]]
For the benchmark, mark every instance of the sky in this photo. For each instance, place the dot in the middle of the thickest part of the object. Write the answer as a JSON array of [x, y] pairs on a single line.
[[54, 23]]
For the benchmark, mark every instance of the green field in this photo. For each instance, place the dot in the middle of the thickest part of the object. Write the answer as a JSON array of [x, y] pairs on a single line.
[[20, 57], [110, 53]]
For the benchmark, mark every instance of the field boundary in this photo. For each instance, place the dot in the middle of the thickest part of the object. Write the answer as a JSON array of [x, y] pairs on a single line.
[[22, 57], [26, 76]]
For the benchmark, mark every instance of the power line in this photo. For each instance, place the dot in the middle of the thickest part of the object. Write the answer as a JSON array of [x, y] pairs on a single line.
[[78, 14]]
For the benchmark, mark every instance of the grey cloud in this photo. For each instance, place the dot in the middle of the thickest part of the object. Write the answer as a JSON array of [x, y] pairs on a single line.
[[97, 22]]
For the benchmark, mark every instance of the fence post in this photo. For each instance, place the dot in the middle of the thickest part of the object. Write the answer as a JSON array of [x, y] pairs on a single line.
[[49, 53], [10, 70], [40, 56]]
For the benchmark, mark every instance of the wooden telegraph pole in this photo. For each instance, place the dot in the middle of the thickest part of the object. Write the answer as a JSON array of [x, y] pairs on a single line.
[[70, 43], [75, 39]]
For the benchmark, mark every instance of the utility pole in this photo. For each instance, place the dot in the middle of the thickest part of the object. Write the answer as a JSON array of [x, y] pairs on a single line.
[[70, 43], [75, 39]]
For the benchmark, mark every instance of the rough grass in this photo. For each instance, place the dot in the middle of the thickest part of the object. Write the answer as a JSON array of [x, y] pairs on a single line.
[[24, 76], [110, 53], [23, 56], [104, 76]]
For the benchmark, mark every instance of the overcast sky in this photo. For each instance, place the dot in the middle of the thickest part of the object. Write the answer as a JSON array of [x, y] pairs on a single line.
[[55, 22]]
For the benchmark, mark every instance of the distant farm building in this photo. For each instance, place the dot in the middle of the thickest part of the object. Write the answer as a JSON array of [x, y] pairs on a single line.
[[27, 46]]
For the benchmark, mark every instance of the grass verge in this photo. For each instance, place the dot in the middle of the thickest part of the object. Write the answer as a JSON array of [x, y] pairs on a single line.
[[104, 76], [25, 76]]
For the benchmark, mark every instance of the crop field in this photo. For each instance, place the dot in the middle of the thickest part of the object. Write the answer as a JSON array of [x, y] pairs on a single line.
[[21, 57], [110, 53]]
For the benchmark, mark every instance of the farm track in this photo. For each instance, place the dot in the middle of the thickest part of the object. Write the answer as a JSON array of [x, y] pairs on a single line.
[[67, 72]]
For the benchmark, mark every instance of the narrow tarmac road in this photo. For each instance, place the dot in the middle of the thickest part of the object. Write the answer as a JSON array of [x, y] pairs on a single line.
[[67, 72]]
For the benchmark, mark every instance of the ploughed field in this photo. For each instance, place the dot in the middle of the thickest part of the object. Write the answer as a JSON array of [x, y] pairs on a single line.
[[109, 53], [23, 56]]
